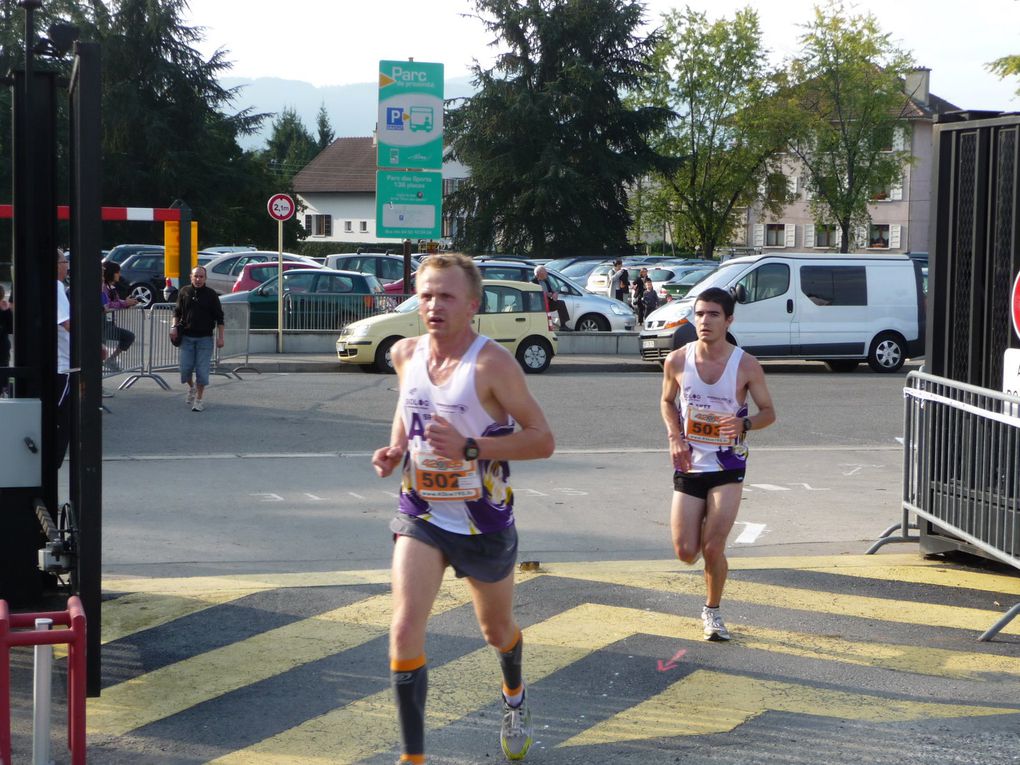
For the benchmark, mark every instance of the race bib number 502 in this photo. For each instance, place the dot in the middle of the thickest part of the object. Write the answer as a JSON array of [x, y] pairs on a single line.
[[438, 479]]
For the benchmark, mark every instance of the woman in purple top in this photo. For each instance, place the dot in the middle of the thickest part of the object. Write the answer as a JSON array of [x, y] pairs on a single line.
[[113, 302]]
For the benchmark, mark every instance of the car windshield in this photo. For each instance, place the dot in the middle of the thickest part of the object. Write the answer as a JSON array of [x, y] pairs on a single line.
[[694, 277], [408, 306], [717, 278]]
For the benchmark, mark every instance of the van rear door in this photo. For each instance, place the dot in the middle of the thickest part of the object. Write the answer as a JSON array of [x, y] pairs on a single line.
[[763, 321]]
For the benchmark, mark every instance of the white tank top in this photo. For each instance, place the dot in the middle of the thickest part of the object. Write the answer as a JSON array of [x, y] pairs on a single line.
[[465, 497], [702, 406]]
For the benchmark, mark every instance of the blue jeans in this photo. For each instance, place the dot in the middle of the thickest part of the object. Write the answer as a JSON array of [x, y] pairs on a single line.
[[196, 356]]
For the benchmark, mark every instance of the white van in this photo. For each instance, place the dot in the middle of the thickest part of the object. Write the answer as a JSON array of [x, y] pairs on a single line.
[[840, 309]]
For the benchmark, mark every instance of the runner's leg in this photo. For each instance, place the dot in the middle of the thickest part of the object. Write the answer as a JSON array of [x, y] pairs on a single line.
[[721, 511], [686, 517], [416, 575]]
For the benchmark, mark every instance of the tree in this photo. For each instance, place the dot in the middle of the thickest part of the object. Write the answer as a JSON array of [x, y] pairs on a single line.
[[850, 99], [324, 127], [729, 121], [290, 146], [1007, 66], [548, 137]]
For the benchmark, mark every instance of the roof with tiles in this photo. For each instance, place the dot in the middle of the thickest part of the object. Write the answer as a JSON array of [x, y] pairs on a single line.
[[346, 165]]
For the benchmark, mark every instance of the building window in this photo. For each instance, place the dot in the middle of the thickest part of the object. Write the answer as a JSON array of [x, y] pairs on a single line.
[[364, 227], [319, 225], [878, 236], [775, 235], [348, 226], [825, 236]]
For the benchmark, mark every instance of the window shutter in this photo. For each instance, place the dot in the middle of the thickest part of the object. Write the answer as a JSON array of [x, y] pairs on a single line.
[[329, 225], [761, 189], [896, 191], [759, 235], [805, 190], [809, 235], [894, 236], [308, 223], [839, 235], [861, 237], [791, 235], [792, 184], [899, 140]]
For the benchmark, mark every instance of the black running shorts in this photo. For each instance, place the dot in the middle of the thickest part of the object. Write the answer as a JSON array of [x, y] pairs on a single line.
[[485, 557], [699, 484]]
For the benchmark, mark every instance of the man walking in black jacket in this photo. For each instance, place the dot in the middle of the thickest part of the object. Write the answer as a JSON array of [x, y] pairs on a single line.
[[198, 312]]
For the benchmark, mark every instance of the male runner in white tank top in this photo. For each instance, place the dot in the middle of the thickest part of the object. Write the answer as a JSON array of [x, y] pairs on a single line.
[[453, 433], [712, 378]]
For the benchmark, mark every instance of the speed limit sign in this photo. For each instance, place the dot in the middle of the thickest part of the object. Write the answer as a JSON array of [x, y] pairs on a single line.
[[281, 207]]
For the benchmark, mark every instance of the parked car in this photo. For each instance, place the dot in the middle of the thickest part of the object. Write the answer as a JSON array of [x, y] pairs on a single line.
[[222, 272], [680, 285], [223, 249], [320, 298], [254, 274], [122, 252], [386, 268], [578, 271], [512, 314], [598, 278], [588, 312], [840, 309], [144, 276]]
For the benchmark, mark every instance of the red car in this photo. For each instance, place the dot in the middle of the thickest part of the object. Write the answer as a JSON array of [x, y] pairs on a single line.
[[254, 274]]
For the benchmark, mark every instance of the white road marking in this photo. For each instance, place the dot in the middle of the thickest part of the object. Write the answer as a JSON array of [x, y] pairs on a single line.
[[769, 487], [809, 488], [356, 496], [267, 496], [313, 497], [535, 493], [750, 533]]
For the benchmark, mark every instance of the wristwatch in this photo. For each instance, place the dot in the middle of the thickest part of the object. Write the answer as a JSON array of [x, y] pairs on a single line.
[[747, 424], [470, 449]]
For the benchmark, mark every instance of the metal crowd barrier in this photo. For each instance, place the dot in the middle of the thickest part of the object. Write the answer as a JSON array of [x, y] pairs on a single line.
[[163, 356], [962, 469], [237, 319], [308, 310], [115, 324]]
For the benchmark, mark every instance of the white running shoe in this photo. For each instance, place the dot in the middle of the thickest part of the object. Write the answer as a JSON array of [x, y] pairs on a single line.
[[715, 628], [516, 732], [190, 399], [198, 406]]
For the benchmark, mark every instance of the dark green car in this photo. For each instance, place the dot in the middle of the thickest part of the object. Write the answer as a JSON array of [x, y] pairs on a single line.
[[680, 286], [314, 298]]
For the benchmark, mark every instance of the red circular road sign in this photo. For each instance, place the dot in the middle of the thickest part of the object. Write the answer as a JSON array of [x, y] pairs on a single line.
[[281, 207], [1015, 302]]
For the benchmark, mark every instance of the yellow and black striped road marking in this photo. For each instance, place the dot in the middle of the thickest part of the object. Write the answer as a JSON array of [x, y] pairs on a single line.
[[291, 668]]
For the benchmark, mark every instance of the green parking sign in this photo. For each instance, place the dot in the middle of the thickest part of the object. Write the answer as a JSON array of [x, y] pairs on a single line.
[[410, 126], [408, 205]]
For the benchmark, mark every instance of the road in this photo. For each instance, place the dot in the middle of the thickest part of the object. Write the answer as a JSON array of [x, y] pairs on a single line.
[[245, 554]]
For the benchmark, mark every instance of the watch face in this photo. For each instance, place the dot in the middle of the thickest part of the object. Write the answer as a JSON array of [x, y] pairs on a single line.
[[470, 449]]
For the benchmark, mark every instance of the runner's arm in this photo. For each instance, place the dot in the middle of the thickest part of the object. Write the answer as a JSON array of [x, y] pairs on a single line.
[[501, 381], [679, 449], [386, 458], [759, 391]]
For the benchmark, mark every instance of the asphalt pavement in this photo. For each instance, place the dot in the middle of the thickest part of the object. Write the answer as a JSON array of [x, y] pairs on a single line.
[[247, 600]]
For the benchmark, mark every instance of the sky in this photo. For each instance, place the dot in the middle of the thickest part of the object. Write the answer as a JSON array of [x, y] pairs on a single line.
[[326, 42]]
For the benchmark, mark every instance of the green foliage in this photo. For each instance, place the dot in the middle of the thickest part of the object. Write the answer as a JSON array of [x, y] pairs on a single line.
[[290, 147], [729, 123], [548, 137], [325, 129], [850, 99], [1007, 66]]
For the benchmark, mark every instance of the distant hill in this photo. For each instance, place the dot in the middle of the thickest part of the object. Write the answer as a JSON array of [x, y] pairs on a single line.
[[351, 108]]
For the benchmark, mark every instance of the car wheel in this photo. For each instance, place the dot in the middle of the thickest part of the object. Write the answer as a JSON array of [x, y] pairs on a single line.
[[888, 352], [384, 356], [841, 365], [591, 322], [534, 355], [143, 294]]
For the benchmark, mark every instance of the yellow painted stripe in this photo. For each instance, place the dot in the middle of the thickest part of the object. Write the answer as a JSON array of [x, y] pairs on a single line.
[[176, 687], [151, 602], [715, 702], [455, 690], [882, 609]]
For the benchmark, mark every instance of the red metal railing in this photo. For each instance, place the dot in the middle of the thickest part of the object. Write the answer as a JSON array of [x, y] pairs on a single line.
[[26, 634]]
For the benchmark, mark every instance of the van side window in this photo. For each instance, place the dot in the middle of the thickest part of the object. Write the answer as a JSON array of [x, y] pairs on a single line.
[[834, 285], [769, 281]]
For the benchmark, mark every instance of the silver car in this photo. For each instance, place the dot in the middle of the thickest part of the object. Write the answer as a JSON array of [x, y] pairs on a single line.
[[588, 312], [222, 272]]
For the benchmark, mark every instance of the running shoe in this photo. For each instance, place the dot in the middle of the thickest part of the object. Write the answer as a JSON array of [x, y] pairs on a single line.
[[190, 399], [198, 406], [715, 628], [516, 731]]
